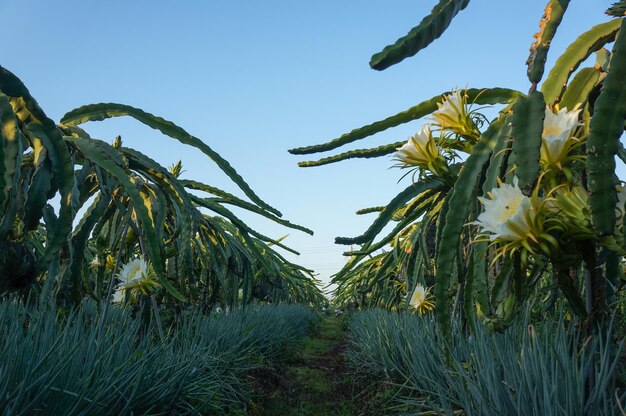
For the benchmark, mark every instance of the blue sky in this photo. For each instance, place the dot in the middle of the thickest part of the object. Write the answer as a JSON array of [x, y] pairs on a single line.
[[253, 79]]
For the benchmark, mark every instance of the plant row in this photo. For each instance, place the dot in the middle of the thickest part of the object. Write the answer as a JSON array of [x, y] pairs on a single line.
[[90, 363], [74, 209], [540, 368]]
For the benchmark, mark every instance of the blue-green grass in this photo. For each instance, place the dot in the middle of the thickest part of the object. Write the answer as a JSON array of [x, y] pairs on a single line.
[[53, 365], [530, 369]]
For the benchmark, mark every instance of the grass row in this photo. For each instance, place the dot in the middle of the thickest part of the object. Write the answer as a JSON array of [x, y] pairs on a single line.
[[90, 364], [548, 368]]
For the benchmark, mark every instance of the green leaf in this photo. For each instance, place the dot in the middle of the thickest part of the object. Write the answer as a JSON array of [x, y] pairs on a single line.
[[527, 125], [501, 283], [429, 29], [547, 29], [607, 126], [499, 161], [397, 229], [369, 210], [179, 200], [102, 111], [577, 91], [469, 308], [478, 268], [480, 96], [496, 169], [576, 53]]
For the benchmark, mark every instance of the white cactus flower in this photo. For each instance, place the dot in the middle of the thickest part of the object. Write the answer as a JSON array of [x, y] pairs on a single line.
[[453, 115], [557, 135], [451, 111], [508, 213], [137, 277], [133, 274], [419, 150], [419, 299]]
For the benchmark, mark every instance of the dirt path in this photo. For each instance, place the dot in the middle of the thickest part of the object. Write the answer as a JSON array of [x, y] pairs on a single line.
[[316, 380]]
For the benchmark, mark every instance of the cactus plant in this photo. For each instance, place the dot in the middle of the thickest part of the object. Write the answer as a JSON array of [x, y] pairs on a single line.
[[557, 143], [133, 208]]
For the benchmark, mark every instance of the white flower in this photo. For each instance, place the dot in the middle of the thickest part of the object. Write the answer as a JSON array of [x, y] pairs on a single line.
[[419, 150], [133, 274], [453, 115], [557, 135], [508, 214], [419, 299], [451, 111], [136, 277]]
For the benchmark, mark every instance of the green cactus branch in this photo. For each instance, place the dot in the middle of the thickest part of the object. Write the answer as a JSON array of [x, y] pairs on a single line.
[[576, 53], [607, 126], [429, 29], [547, 29], [102, 111], [480, 96], [354, 154], [527, 124], [460, 202]]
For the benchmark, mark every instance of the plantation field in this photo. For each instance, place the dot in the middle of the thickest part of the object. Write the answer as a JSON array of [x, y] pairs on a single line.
[[492, 281], [316, 379]]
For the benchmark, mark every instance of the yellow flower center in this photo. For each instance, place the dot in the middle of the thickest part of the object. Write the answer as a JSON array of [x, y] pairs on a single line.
[[552, 129], [510, 210]]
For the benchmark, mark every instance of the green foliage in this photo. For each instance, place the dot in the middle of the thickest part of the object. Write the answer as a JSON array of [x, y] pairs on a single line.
[[414, 193], [531, 368], [133, 208], [579, 88], [55, 365], [354, 154]]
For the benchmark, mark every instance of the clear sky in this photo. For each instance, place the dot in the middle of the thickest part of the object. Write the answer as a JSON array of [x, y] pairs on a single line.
[[253, 79]]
